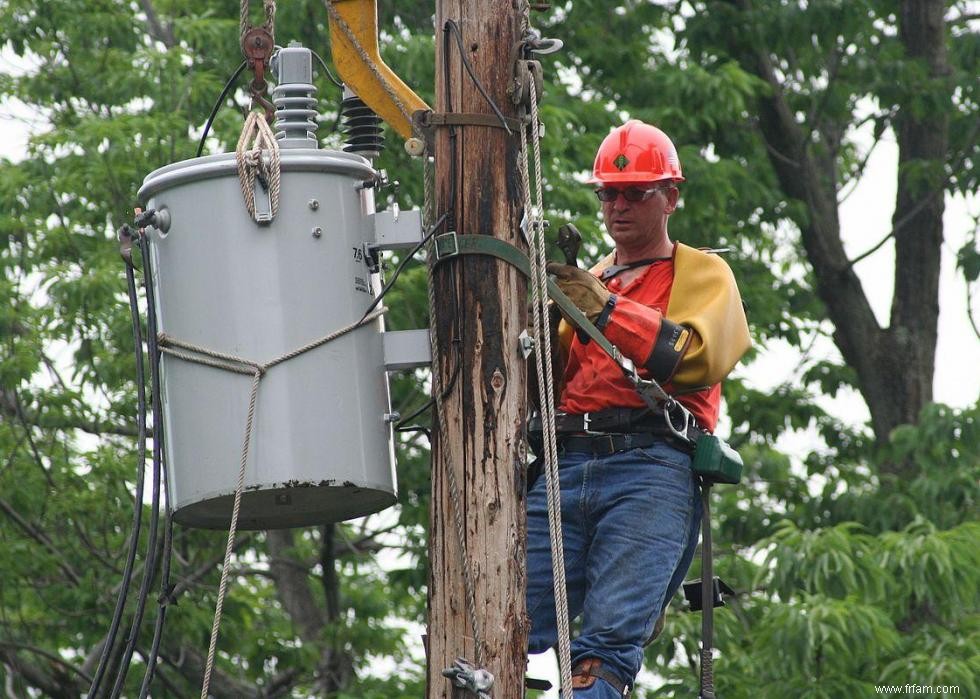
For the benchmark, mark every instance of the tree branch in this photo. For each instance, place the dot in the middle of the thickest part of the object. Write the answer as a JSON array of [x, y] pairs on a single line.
[[52, 686], [39, 462], [159, 31], [190, 664], [50, 656], [39, 537], [195, 577], [293, 586], [8, 408]]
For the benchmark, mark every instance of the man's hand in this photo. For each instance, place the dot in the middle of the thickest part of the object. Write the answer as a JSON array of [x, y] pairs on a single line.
[[581, 287]]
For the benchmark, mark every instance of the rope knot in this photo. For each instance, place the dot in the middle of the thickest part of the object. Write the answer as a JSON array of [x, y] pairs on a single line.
[[258, 140]]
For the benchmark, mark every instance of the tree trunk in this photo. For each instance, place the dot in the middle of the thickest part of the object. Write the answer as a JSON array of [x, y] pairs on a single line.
[[481, 308], [894, 365], [335, 669]]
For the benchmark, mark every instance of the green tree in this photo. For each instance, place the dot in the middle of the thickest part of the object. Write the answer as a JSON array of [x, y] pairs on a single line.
[[866, 546]]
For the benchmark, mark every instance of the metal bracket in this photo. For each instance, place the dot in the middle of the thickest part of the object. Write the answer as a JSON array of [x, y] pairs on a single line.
[[406, 349], [396, 229], [263, 201]]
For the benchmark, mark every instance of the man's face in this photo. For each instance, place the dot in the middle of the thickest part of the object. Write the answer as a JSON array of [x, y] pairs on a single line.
[[634, 223]]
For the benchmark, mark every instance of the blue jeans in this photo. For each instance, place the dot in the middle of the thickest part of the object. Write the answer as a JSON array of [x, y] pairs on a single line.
[[630, 526]]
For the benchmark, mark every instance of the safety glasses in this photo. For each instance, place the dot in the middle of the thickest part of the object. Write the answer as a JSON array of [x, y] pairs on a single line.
[[633, 193]]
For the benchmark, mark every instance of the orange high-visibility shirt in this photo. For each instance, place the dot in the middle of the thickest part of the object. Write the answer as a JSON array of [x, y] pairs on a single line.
[[592, 379]]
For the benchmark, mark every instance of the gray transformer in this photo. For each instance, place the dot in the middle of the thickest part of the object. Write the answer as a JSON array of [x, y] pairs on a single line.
[[322, 444]]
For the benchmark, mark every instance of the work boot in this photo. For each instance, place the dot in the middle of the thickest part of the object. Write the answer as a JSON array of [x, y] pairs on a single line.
[[588, 671]]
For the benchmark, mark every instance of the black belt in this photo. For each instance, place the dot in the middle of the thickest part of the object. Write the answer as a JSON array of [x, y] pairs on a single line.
[[615, 429], [617, 420], [608, 443]]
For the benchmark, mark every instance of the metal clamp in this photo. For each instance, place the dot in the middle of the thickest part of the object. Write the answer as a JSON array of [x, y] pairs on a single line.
[[466, 675], [525, 343]]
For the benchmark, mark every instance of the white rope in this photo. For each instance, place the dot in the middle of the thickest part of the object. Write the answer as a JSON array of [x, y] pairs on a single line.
[[268, 7], [534, 214], [229, 362], [223, 586], [366, 60], [256, 137]]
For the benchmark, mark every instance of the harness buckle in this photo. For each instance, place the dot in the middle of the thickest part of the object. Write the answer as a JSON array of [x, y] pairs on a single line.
[[681, 433], [446, 245]]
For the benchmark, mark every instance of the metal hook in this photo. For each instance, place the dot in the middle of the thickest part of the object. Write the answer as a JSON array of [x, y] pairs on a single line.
[[535, 43]]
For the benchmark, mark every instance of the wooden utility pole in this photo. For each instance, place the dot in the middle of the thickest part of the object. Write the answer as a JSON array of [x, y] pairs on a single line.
[[486, 407]]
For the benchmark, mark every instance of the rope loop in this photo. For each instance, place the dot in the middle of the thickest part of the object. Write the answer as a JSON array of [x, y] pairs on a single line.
[[258, 158], [268, 9]]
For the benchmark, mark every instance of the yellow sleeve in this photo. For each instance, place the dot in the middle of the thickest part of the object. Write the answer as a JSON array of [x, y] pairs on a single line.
[[705, 298]]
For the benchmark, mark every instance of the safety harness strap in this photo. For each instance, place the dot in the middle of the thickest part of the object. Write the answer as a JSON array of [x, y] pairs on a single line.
[[707, 676], [452, 244]]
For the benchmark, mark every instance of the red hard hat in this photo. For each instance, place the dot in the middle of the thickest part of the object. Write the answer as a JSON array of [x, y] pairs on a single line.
[[636, 152]]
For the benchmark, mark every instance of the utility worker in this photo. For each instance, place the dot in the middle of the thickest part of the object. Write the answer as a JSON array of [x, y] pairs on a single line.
[[630, 505]]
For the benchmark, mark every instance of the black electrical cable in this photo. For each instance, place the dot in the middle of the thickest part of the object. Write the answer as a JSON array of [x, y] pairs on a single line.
[[417, 428], [326, 70], [217, 106], [338, 83], [149, 567], [158, 454], [454, 28], [401, 265], [448, 217], [400, 425], [414, 414], [164, 601], [141, 460]]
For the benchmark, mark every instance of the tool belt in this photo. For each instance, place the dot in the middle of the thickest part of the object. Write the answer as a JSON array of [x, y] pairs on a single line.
[[611, 430]]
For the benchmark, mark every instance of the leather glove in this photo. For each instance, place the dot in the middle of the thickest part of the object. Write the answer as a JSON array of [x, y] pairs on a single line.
[[582, 288]]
